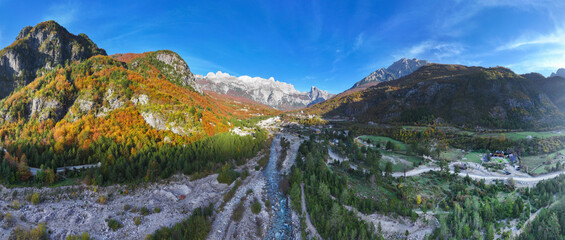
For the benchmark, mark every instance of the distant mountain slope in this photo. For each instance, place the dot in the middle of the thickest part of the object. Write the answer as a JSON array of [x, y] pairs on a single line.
[[559, 73], [460, 95], [397, 70], [279, 95], [167, 62], [554, 87], [41, 47]]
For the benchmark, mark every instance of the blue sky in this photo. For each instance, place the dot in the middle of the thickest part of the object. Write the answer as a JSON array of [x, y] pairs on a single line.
[[328, 44]]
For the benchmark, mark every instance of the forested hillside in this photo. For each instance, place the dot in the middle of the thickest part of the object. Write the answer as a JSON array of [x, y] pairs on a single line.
[[453, 94], [130, 118]]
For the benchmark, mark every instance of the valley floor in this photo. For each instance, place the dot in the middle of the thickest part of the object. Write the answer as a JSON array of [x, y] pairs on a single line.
[[77, 209]]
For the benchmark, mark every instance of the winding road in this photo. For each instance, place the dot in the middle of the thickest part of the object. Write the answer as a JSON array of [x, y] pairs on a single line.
[[520, 180]]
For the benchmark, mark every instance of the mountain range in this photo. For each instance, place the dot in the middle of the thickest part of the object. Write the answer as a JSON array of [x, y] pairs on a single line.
[[457, 95], [279, 95], [59, 76]]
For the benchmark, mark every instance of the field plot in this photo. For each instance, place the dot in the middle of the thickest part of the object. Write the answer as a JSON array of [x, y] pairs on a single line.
[[543, 163], [453, 154], [400, 146], [400, 162]]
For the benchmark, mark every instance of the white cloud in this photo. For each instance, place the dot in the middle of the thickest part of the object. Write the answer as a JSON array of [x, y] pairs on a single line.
[[199, 65], [359, 40], [544, 62], [556, 37], [65, 13], [432, 50], [524, 4]]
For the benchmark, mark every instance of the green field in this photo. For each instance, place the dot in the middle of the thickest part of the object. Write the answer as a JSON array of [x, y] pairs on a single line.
[[453, 154], [402, 161], [400, 146], [534, 161]]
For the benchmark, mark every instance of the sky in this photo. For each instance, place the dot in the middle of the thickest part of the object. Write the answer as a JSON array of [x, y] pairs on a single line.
[[328, 44]]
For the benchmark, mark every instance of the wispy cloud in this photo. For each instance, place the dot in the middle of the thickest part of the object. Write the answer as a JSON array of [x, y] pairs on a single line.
[[64, 12], [545, 62], [202, 66], [556, 37], [359, 40], [432, 50]]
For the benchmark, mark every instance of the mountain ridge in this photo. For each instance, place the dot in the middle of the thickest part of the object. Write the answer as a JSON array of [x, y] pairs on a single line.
[[453, 94], [279, 95]]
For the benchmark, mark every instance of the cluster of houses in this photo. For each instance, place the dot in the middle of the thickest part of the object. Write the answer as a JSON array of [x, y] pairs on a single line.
[[501, 154]]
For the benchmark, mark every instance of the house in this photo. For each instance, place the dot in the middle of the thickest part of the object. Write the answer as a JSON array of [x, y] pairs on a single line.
[[512, 158], [499, 154]]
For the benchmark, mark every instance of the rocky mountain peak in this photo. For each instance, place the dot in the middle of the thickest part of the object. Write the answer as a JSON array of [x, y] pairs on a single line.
[[44, 46], [317, 95], [405, 66], [560, 72], [24, 32], [398, 69]]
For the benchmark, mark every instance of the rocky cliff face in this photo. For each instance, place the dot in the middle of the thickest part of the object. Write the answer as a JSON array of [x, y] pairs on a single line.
[[397, 70], [560, 73], [41, 47], [317, 95], [279, 95]]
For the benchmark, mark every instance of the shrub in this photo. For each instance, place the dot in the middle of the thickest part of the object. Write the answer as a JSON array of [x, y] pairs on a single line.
[[28, 197], [256, 207], [157, 210], [263, 161], [227, 175], [238, 212], [137, 221], [268, 203], [244, 174], [9, 220], [114, 224], [144, 211], [16, 205], [39, 233], [83, 236], [35, 198], [127, 207]]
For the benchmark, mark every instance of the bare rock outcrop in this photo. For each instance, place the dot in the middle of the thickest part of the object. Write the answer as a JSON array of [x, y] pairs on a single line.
[[41, 47]]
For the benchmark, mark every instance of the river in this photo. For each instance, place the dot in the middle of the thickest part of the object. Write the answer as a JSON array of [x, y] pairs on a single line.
[[281, 224]]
